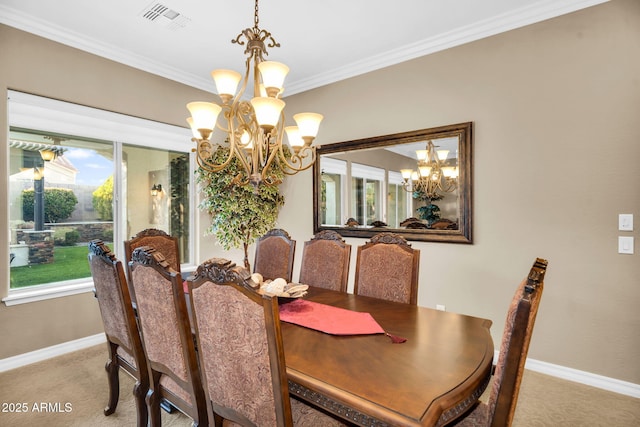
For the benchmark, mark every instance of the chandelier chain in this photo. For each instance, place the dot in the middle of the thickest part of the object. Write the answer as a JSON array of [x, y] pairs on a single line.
[[256, 19]]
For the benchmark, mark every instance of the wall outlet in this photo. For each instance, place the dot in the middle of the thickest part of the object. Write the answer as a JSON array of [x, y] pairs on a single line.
[[441, 307]]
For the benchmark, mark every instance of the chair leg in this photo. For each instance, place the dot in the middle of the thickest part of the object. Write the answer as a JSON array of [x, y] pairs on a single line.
[[153, 402], [167, 406], [112, 368], [217, 419], [139, 392]]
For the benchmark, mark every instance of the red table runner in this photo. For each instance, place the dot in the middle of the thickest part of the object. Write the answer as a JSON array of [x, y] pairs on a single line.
[[331, 320]]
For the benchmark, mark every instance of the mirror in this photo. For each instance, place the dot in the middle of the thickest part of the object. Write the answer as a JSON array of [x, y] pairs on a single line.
[[417, 184]]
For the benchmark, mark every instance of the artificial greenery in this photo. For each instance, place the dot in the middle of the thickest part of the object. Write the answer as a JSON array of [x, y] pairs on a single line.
[[428, 212], [240, 214], [59, 204]]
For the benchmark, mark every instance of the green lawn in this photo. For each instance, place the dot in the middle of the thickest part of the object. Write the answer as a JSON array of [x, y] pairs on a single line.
[[69, 262]]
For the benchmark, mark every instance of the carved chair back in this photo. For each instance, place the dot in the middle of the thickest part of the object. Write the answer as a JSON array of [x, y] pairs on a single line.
[[120, 327], [239, 345], [241, 351], [514, 347], [166, 336], [159, 240], [325, 261], [387, 268], [274, 256]]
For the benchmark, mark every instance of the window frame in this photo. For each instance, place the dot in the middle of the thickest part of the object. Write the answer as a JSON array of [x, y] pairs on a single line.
[[369, 174], [39, 113], [341, 168]]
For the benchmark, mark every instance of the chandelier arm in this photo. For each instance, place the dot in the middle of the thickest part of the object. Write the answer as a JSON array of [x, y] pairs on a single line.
[[272, 153], [204, 151], [290, 167], [293, 171], [272, 144], [272, 180], [235, 122], [216, 167], [240, 180]]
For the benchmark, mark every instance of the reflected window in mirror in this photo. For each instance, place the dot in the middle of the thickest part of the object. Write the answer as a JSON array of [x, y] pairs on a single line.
[[333, 192], [366, 189], [416, 183], [398, 201]]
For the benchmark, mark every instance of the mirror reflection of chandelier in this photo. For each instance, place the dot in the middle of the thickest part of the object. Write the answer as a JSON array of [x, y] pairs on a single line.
[[434, 175], [254, 129]]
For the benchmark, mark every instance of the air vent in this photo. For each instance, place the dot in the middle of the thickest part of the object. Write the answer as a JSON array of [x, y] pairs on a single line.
[[160, 14]]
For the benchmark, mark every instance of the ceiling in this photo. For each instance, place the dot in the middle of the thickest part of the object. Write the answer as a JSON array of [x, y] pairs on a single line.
[[321, 41]]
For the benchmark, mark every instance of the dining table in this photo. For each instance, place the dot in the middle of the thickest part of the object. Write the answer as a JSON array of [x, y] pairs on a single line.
[[373, 379]]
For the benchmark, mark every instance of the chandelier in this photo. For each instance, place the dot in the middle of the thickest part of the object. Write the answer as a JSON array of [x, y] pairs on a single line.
[[253, 129], [434, 175]]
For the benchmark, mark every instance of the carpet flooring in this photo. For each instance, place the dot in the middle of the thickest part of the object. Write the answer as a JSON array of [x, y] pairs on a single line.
[[71, 390]]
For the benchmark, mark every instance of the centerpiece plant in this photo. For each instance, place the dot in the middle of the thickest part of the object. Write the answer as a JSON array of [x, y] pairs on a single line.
[[240, 214], [429, 212]]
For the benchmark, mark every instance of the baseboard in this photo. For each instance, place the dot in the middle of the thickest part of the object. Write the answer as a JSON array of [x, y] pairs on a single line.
[[582, 377], [49, 352], [569, 374]]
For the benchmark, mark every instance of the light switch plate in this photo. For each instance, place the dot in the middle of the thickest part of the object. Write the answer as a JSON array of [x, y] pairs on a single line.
[[625, 222], [625, 244]]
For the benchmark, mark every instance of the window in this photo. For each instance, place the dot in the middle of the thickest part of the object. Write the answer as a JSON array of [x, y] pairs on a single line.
[[398, 201], [366, 187], [334, 175], [107, 176]]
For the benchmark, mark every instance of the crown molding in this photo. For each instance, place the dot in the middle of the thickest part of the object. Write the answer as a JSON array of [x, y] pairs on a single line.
[[531, 14], [536, 12], [39, 27]]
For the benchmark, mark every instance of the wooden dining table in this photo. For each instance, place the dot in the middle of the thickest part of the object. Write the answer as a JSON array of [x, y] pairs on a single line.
[[430, 380]]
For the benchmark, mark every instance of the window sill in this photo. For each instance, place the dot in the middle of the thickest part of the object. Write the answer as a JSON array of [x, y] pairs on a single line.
[[41, 293]]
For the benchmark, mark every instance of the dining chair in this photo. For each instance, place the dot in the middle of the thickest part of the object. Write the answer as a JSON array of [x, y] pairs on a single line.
[[325, 261], [166, 336], [387, 268], [521, 317], [241, 351], [159, 240], [275, 251], [120, 327]]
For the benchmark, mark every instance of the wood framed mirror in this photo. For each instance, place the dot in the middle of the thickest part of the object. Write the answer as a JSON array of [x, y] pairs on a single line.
[[417, 184]]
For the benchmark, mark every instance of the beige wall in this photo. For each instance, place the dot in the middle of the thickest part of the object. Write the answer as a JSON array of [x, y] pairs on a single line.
[[554, 107], [34, 65]]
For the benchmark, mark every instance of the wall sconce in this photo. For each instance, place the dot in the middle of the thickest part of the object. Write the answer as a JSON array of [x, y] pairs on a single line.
[[156, 189]]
